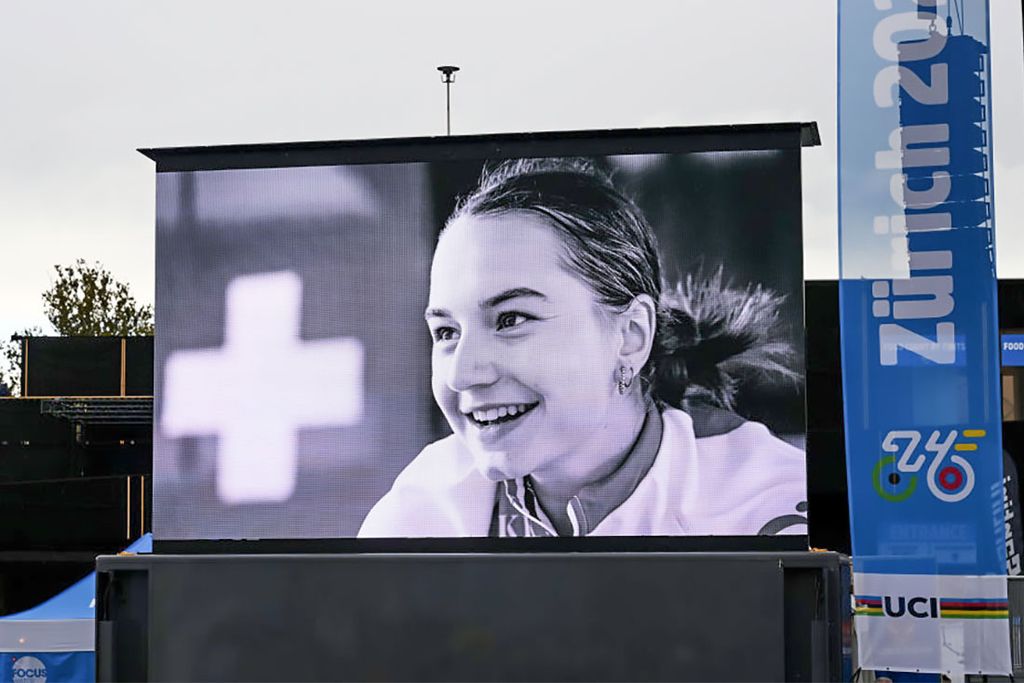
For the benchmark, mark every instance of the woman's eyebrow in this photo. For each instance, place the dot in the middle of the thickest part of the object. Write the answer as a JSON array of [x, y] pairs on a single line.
[[496, 300], [436, 313], [508, 294]]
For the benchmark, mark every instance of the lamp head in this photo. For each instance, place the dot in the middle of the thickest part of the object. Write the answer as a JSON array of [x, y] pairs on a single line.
[[447, 73]]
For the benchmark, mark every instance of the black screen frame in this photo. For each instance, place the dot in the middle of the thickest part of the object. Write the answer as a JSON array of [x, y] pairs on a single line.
[[670, 140], [674, 140]]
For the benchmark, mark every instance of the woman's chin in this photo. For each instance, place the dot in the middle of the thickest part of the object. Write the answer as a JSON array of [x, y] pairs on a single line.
[[498, 466]]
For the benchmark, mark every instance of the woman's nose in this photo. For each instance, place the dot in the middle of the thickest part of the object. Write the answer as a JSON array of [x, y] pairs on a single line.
[[472, 364]]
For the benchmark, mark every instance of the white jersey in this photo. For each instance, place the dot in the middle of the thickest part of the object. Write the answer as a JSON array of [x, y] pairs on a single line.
[[737, 482]]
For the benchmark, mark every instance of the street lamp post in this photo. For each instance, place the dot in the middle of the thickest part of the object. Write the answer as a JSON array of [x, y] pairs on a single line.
[[448, 77]]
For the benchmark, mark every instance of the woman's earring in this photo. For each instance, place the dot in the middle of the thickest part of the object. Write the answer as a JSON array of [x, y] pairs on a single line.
[[625, 379]]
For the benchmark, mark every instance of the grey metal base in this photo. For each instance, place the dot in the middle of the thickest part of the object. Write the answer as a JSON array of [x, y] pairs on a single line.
[[584, 616]]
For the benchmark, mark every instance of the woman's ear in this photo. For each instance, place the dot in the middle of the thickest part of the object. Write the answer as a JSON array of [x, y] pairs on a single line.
[[637, 326]]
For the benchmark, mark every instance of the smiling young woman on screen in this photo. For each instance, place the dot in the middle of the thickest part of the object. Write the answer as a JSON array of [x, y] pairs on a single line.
[[583, 398]]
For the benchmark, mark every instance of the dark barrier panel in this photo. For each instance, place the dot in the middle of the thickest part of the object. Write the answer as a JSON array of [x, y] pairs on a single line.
[[88, 366], [1011, 304], [52, 531], [73, 514], [1015, 593], [828, 510], [72, 366], [27, 578], [138, 365], [594, 617], [36, 446]]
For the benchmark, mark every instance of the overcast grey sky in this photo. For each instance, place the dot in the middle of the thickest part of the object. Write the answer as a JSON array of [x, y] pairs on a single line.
[[86, 83]]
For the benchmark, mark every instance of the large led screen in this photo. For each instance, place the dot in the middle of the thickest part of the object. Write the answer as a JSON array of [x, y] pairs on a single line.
[[579, 335]]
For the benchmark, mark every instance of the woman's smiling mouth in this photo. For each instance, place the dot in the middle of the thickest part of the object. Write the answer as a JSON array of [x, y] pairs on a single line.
[[496, 414]]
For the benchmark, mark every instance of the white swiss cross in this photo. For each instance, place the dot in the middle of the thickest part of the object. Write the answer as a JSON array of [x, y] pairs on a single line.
[[256, 391]]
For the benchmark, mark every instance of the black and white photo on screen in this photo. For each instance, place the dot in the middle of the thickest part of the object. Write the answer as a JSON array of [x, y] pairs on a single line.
[[607, 346]]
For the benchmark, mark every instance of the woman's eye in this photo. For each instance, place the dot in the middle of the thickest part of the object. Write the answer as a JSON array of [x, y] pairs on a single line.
[[511, 319], [441, 334]]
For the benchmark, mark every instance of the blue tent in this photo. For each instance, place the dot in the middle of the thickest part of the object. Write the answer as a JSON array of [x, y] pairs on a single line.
[[55, 641]]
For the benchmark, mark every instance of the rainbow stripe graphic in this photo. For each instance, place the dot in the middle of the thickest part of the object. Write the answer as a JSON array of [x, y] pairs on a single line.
[[949, 608], [868, 605], [974, 608]]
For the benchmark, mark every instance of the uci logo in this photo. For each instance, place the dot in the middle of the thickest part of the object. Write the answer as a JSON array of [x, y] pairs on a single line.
[[897, 606], [895, 476], [918, 607], [28, 670]]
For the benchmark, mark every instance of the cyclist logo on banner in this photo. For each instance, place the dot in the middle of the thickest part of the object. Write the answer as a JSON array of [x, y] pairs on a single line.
[[949, 477]]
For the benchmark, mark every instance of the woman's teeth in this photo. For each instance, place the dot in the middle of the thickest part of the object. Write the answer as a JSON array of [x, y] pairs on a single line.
[[502, 413]]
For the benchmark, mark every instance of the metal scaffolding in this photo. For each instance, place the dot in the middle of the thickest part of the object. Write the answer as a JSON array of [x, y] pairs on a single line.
[[92, 410]]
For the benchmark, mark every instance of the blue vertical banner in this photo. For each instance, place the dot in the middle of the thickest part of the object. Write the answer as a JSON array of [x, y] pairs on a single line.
[[920, 337]]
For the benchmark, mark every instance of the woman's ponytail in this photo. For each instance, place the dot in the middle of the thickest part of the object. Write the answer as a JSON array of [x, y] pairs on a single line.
[[711, 336]]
